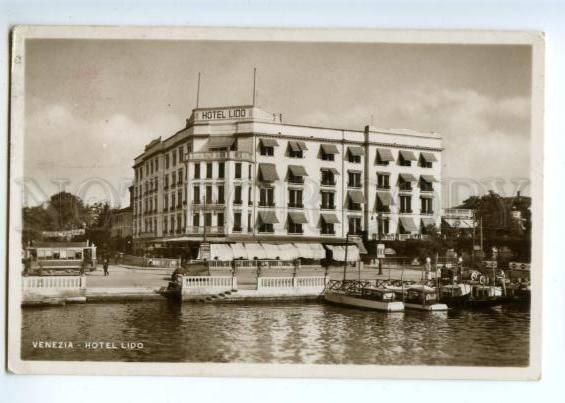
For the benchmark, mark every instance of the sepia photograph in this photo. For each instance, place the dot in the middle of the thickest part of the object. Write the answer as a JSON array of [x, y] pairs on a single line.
[[273, 202]]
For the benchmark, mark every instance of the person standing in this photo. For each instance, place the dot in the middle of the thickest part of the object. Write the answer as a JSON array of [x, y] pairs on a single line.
[[105, 266]]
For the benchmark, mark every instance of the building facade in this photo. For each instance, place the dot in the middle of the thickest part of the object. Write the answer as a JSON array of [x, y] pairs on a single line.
[[239, 174]]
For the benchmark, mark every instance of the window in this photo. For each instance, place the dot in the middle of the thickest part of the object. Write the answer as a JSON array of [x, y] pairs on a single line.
[[166, 180], [221, 194], [266, 197], [181, 154], [174, 153], [404, 162], [426, 205], [173, 178], [249, 171], [354, 179], [327, 228], [179, 197], [327, 156], [208, 195], [156, 183], [208, 219], [172, 200], [380, 160], [267, 151], [165, 225], [328, 177], [179, 223], [237, 221], [405, 204], [197, 170], [404, 185], [249, 226], [355, 159], [220, 219], [381, 207], [424, 163], [426, 186], [249, 199], [172, 230], [383, 226], [209, 170], [328, 200], [263, 227], [238, 170], [354, 225], [196, 198], [237, 196], [295, 198], [165, 203], [294, 228], [196, 220], [221, 170], [383, 181], [179, 177], [294, 151], [167, 161]]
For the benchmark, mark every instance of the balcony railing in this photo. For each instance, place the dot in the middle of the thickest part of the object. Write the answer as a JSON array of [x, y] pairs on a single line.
[[265, 204], [219, 155], [210, 230], [426, 212]]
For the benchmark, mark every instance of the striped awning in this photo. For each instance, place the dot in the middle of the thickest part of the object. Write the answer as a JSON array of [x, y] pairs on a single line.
[[385, 198], [268, 172], [428, 157], [271, 251], [255, 250], [269, 143], [239, 251], [297, 145], [355, 151], [220, 142], [329, 149], [408, 224], [428, 178], [407, 177], [268, 217], [338, 253], [219, 251], [427, 221], [408, 155], [297, 170], [332, 170], [356, 196], [385, 154], [330, 218], [287, 251], [297, 217]]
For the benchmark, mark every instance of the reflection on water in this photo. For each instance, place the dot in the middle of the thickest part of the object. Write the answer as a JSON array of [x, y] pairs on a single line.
[[279, 333]]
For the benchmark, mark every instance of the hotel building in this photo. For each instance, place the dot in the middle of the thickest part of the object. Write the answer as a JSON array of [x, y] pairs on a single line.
[[239, 174]]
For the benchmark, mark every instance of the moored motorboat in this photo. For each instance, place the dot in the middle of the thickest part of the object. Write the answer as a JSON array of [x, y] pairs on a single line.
[[423, 298], [361, 294]]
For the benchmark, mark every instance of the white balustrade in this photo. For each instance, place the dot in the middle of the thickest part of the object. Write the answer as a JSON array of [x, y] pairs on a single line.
[[219, 282], [54, 282]]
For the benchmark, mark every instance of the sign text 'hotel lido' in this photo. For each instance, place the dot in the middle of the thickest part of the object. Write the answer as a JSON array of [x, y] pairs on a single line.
[[223, 114]]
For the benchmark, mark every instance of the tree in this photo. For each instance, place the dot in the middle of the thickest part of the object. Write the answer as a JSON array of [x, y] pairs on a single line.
[[66, 211]]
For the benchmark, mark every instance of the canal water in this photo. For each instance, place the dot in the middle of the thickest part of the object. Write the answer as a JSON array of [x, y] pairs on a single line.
[[275, 333]]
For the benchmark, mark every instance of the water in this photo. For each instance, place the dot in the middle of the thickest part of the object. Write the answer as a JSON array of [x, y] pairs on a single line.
[[278, 333]]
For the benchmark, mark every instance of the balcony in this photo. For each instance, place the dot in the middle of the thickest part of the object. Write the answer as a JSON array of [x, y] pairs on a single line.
[[405, 211], [295, 205], [238, 202], [237, 229], [328, 183], [220, 156], [209, 230], [405, 187], [426, 212], [265, 204], [426, 189], [296, 232], [214, 205], [383, 187], [332, 232], [327, 207], [354, 185]]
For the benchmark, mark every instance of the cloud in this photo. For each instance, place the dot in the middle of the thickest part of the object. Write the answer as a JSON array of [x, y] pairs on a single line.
[[61, 144]]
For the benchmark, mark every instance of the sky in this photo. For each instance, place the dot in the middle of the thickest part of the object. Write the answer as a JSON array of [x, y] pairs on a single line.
[[92, 105]]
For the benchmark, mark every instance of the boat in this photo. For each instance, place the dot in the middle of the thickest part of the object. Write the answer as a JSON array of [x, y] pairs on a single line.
[[362, 294], [423, 298], [466, 295]]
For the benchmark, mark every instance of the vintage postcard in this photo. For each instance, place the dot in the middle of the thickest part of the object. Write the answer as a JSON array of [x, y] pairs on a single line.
[[276, 202]]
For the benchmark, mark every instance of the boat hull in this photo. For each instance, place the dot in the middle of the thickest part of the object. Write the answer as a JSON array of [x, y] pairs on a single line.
[[426, 307], [347, 300]]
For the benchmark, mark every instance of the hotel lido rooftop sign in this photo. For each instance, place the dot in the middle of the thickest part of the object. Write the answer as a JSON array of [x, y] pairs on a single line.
[[237, 112]]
